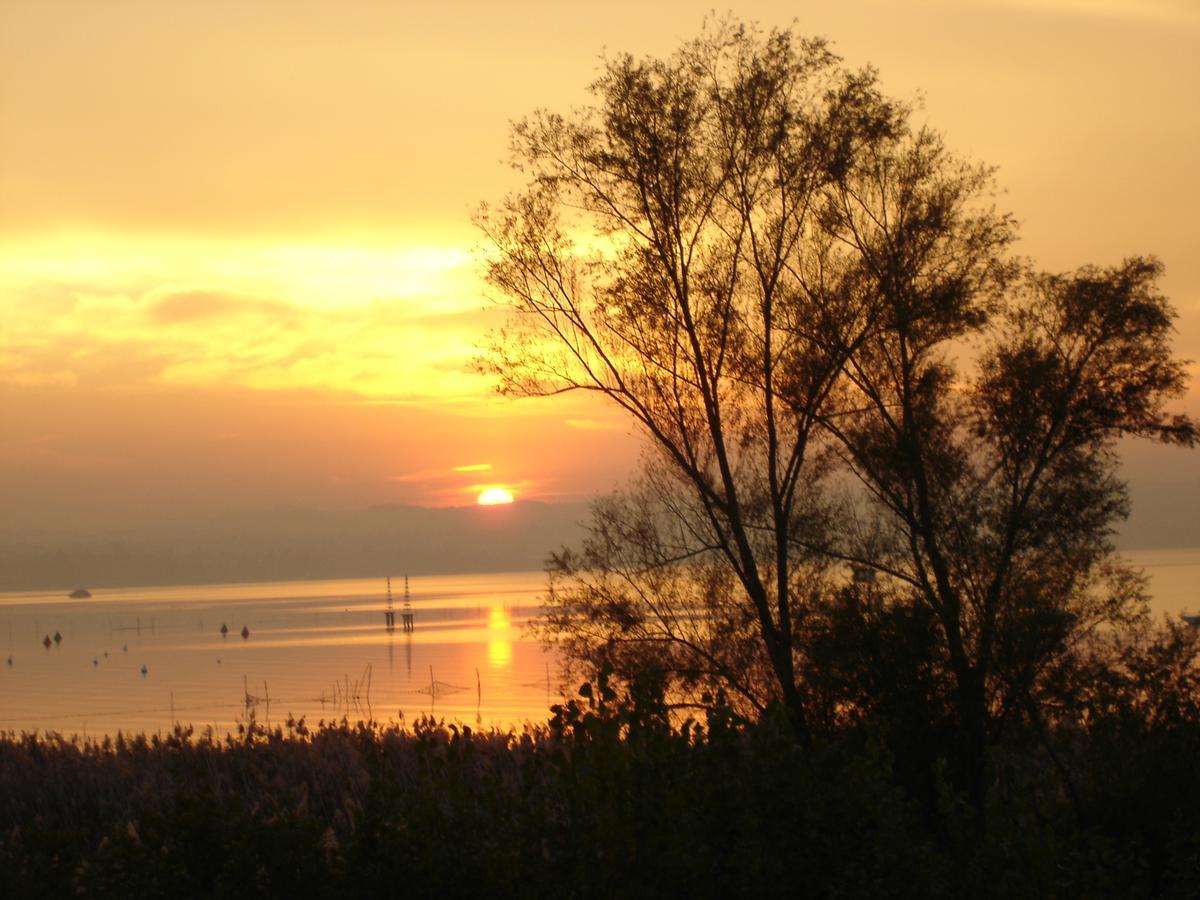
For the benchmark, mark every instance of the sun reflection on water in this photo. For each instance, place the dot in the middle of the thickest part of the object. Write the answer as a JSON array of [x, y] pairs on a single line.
[[500, 639], [303, 638]]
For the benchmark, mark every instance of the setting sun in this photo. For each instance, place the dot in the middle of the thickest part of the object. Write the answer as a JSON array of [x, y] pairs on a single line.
[[494, 496]]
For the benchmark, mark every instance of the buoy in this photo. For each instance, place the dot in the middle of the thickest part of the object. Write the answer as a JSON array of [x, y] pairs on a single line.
[[124, 648], [224, 629], [57, 638], [95, 661], [10, 659], [245, 632], [144, 669], [46, 642]]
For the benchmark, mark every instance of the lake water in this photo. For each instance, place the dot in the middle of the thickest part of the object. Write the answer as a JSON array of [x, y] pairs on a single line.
[[318, 649]]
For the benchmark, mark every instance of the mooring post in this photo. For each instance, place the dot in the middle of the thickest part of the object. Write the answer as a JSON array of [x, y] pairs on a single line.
[[407, 617]]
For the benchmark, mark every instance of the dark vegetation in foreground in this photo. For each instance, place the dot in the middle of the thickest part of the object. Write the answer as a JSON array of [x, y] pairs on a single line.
[[615, 797]]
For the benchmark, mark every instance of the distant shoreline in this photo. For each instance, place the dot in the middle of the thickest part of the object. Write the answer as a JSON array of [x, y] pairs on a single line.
[[65, 589], [1173, 587]]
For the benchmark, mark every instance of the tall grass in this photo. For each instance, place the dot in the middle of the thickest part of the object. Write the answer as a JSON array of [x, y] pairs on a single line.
[[611, 797]]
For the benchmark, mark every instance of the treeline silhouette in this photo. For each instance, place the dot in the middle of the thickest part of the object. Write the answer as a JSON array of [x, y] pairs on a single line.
[[614, 796]]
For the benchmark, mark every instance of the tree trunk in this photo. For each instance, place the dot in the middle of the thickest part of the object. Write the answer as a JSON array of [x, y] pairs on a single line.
[[972, 738]]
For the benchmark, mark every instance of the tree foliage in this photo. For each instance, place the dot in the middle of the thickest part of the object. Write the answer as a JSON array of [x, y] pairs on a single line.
[[809, 306]]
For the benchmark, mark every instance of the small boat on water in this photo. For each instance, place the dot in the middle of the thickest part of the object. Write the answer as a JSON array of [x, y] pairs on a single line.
[[80, 594]]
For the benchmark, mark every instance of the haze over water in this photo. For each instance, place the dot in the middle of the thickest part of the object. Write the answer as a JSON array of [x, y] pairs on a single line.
[[318, 649]]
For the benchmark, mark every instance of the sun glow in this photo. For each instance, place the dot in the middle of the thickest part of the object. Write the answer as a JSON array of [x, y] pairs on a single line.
[[494, 496]]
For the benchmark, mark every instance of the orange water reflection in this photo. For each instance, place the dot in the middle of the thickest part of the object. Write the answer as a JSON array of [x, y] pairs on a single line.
[[500, 638], [315, 649], [318, 649]]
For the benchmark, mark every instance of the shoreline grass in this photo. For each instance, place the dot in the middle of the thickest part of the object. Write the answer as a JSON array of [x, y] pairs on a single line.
[[600, 801]]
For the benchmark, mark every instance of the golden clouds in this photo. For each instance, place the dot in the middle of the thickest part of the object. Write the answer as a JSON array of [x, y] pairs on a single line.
[[17, 370], [187, 307], [379, 323], [253, 219], [449, 486]]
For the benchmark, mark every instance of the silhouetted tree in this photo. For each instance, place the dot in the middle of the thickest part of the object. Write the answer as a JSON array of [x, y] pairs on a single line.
[[666, 254], [995, 485], [805, 303]]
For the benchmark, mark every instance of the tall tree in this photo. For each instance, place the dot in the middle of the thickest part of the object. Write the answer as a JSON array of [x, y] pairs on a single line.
[[706, 307], [790, 288]]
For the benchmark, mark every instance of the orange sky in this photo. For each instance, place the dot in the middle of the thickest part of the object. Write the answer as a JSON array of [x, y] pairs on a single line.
[[235, 240]]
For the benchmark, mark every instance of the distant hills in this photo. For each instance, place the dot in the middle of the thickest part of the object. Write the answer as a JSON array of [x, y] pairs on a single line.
[[286, 544]]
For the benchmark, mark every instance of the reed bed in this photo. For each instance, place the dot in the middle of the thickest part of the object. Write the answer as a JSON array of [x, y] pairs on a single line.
[[616, 799]]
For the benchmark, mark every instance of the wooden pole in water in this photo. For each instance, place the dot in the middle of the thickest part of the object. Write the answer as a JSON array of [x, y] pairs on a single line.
[[407, 615]]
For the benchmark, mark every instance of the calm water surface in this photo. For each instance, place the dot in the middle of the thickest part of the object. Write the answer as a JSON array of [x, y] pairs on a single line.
[[318, 649]]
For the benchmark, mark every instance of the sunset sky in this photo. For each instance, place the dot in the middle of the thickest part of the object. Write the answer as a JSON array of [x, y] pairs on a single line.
[[236, 251]]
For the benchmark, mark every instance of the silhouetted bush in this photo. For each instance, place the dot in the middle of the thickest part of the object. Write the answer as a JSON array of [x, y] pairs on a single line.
[[614, 796]]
